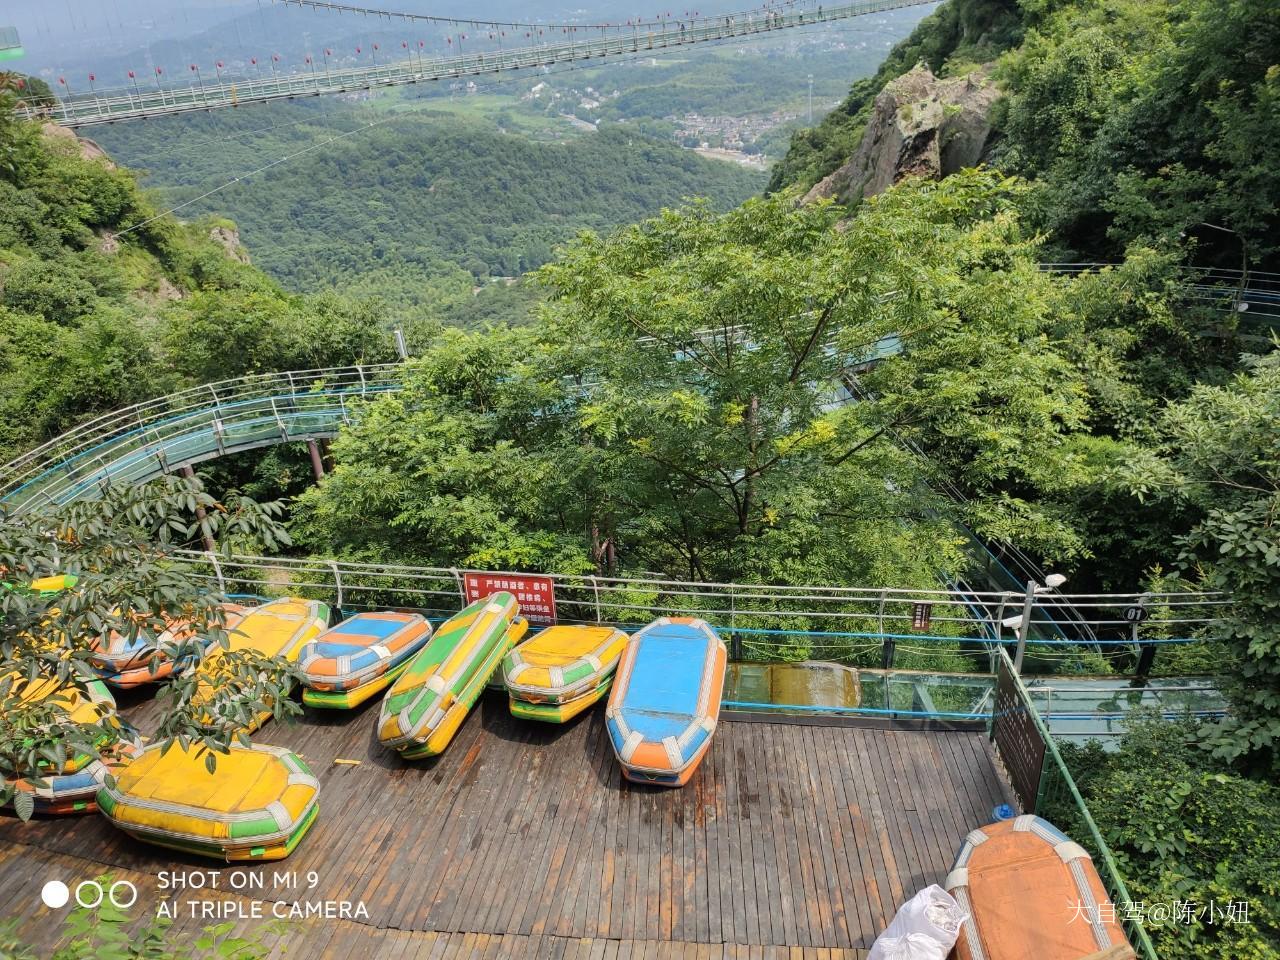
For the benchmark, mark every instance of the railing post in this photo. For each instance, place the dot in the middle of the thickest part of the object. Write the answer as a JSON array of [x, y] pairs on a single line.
[[284, 433], [735, 641], [595, 587], [337, 582], [161, 458], [462, 590], [1025, 626], [217, 571], [1147, 654]]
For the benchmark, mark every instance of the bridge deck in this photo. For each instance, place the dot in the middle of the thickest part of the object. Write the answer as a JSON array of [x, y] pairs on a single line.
[[523, 841]]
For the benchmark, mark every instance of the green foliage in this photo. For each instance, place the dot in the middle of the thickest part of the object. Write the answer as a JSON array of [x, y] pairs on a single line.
[[1185, 829], [106, 933], [675, 410], [1218, 458], [93, 319], [119, 548], [1150, 122], [1138, 122], [959, 34]]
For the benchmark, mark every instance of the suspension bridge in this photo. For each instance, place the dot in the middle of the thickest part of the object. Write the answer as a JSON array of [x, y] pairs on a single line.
[[160, 96]]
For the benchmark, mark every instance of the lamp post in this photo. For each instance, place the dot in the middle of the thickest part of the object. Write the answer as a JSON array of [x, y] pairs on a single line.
[[1021, 622]]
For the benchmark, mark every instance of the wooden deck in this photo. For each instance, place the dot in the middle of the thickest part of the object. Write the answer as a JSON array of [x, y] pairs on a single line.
[[523, 841]]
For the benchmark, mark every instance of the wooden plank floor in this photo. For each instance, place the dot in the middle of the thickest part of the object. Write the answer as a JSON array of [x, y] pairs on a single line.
[[523, 840]]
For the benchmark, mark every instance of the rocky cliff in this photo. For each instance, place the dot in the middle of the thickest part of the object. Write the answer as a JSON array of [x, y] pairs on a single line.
[[920, 126]]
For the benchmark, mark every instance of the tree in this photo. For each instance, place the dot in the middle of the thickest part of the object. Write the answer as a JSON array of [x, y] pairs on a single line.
[[683, 407], [1185, 829], [120, 549], [1218, 455], [719, 346]]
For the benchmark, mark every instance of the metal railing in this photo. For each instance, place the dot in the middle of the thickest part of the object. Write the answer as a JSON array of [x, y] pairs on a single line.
[[761, 621], [138, 101], [1039, 776], [142, 441], [1252, 293]]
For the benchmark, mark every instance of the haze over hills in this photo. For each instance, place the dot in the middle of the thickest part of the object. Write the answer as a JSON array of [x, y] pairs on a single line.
[[111, 38], [483, 178]]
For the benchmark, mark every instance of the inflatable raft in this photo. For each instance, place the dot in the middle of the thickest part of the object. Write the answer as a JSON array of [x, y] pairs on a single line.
[[257, 804], [51, 586], [280, 628], [76, 791], [71, 787], [126, 663], [562, 671], [665, 702], [1030, 892], [345, 666], [424, 708]]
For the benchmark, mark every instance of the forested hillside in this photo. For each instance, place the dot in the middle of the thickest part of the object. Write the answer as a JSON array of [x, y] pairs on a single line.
[[1147, 135], [1151, 123], [421, 207], [102, 306]]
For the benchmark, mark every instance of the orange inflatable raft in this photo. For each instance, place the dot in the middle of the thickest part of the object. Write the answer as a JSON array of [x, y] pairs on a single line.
[[126, 662], [1031, 892]]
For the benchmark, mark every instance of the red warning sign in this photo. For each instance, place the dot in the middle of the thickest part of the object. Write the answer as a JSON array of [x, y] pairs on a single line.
[[535, 592]]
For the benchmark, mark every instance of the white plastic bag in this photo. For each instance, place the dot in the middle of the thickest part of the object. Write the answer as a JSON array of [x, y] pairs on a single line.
[[926, 927]]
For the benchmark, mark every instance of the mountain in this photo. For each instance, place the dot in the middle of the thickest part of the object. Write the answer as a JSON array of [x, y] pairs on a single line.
[[418, 207], [1137, 123], [104, 303]]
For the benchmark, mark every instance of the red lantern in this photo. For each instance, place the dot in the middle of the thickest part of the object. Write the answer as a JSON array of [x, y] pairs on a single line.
[[63, 81], [130, 74], [219, 64], [159, 70], [193, 68]]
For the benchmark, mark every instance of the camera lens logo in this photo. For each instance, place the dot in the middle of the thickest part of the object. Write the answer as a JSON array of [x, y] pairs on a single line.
[[90, 894]]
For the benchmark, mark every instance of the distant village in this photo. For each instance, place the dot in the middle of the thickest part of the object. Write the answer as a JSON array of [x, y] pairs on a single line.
[[718, 137]]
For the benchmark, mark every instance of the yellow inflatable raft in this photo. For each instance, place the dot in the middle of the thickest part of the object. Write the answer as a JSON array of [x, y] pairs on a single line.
[[257, 804], [562, 671], [70, 788], [280, 628]]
